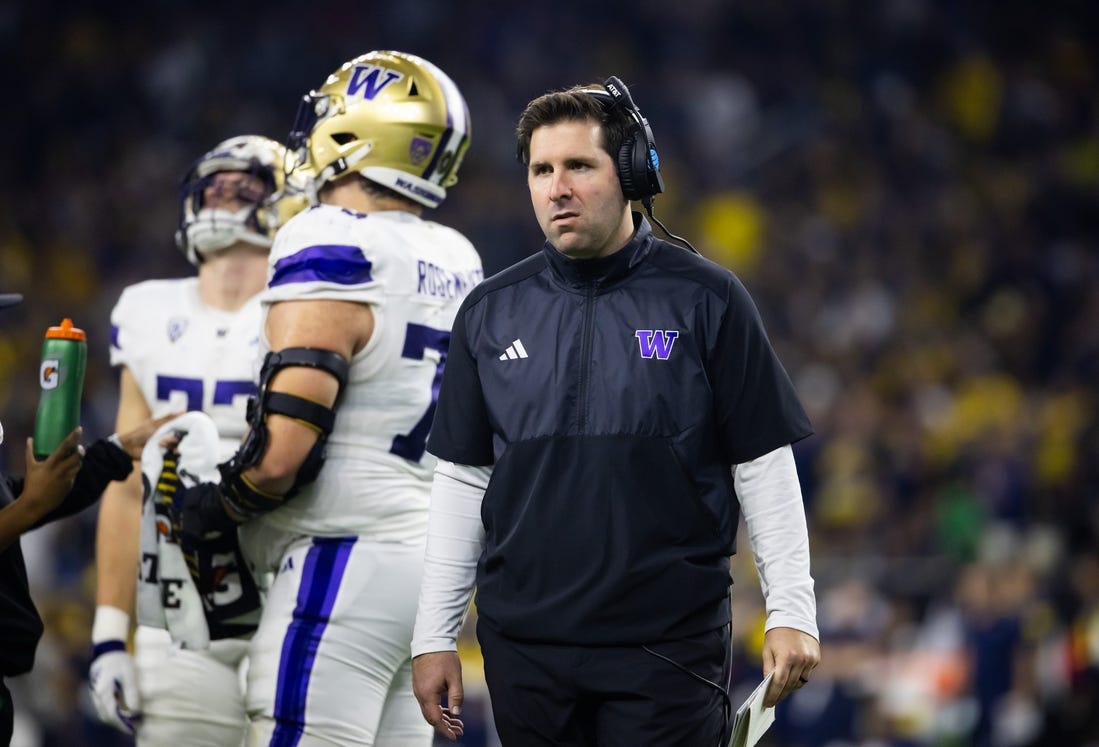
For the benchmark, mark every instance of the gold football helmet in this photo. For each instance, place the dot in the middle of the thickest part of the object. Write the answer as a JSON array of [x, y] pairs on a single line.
[[393, 117], [204, 229]]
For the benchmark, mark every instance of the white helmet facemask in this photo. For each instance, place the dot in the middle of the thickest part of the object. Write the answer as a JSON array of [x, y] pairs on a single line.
[[214, 229]]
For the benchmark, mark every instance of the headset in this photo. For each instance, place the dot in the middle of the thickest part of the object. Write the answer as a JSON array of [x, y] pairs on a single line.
[[638, 163]]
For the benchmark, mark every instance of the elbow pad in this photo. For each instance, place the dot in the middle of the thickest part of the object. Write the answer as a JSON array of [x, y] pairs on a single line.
[[265, 403]]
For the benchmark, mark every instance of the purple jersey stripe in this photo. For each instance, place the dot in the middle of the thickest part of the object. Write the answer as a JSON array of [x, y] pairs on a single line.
[[114, 336], [343, 264], [321, 575]]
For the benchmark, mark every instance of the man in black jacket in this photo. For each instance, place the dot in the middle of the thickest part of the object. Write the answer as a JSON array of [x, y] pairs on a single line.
[[609, 407], [66, 482]]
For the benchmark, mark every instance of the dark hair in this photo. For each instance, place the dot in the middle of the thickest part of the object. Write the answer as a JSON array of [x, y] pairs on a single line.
[[576, 103]]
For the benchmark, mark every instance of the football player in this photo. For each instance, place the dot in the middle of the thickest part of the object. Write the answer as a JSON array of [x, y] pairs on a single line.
[[332, 482], [187, 344]]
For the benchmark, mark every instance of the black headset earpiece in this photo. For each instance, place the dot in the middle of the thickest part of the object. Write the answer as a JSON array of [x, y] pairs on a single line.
[[638, 162]]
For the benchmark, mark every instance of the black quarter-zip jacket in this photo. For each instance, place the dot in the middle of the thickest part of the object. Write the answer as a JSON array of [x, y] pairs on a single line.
[[612, 396]]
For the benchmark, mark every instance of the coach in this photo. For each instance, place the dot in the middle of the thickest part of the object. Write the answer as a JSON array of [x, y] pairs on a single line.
[[609, 405]]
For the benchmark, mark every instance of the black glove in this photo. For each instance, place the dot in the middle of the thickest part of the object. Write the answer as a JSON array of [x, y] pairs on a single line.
[[207, 537], [196, 514]]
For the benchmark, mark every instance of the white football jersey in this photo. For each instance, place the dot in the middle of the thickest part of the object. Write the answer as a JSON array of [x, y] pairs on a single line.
[[414, 274], [186, 356]]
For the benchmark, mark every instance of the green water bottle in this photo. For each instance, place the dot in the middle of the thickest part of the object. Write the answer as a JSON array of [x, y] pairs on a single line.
[[61, 378]]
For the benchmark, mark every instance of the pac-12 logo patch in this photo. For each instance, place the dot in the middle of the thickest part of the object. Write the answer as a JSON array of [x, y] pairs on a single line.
[[176, 328], [419, 150], [656, 342], [49, 375]]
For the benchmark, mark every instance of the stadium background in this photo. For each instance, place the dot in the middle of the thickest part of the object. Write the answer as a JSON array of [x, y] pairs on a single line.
[[908, 188]]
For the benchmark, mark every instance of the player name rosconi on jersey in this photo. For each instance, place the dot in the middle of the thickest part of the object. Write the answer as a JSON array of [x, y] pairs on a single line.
[[441, 282]]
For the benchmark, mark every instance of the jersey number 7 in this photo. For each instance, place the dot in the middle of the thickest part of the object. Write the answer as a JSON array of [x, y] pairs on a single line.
[[418, 339]]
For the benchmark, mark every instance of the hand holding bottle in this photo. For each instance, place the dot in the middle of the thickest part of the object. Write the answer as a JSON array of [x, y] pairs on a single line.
[[44, 489], [48, 482]]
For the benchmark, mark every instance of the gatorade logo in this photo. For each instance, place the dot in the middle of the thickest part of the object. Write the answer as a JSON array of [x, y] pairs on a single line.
[[49, 376]]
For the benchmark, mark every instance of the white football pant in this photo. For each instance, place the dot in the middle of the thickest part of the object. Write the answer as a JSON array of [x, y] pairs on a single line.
[[330, 663], [189, 698]]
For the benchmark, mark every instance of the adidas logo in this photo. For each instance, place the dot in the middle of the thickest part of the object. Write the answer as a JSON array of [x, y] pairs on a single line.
[[515, 350]]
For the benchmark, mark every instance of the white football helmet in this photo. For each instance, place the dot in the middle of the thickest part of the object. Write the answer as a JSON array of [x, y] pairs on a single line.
[[393, 117], [204, 230]]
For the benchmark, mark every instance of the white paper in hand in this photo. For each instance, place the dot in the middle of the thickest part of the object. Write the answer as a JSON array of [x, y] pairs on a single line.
[[752, 719]]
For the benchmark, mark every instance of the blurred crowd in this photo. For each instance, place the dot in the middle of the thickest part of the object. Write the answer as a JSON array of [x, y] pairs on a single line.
[[909, 189]]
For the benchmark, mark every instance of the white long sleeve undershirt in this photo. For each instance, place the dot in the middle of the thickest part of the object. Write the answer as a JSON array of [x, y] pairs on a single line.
[[455, 538], [770, 500]]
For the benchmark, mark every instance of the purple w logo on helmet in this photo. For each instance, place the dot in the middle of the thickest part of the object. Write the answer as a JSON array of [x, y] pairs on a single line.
[[366, 79]]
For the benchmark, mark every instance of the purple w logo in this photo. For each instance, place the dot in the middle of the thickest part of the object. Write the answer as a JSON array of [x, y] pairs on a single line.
[[365, 78], [656, 342]]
